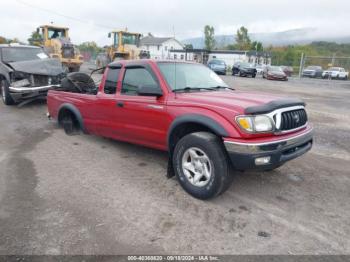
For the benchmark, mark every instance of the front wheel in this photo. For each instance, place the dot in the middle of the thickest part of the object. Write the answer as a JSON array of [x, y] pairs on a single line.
[[5, 93], [201, 165]]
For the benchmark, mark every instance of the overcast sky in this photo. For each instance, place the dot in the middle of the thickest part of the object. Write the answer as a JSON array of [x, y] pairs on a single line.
[[91, 20]]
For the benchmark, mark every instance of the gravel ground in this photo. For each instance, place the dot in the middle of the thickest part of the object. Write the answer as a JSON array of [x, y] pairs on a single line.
[[89, 195]]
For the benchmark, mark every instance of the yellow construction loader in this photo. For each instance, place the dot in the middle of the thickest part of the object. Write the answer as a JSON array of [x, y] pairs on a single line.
[[125, 46], [57, 44]]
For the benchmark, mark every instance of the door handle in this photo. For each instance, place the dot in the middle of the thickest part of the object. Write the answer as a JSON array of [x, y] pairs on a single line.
[[120, 104]]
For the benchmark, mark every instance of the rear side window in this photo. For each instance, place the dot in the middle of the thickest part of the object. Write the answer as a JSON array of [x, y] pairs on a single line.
[[134, 77], [111, 81]]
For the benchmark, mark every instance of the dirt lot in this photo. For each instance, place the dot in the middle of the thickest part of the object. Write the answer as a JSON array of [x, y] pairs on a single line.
[[89, 195]]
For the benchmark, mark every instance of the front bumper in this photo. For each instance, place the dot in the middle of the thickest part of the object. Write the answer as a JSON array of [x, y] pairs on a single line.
[[308, 74], [23, 93], [220, 71], [243, 154], [31, 89], [275, 77], [248, 72]]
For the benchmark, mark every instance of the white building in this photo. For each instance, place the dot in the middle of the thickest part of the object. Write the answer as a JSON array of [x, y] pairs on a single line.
[[159, 47]]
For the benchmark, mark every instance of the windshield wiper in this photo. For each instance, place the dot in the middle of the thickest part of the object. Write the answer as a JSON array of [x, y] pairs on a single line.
[[224, 87], [188, 89]]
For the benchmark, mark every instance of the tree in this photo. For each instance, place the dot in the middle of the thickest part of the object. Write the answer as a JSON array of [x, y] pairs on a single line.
[[242, 39], [188, 46], [90, 47], [257, 46], [35, 38], [14, 40], [3, 40], [209, 40]]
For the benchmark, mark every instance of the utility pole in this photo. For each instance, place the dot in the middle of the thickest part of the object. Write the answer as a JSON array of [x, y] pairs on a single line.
[[301, 65], [333, 59]]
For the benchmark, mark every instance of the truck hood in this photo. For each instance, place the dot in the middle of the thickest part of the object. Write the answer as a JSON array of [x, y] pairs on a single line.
[[237, 101], [49, 66]]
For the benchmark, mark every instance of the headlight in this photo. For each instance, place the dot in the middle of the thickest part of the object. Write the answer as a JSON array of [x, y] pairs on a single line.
[[255, 124]]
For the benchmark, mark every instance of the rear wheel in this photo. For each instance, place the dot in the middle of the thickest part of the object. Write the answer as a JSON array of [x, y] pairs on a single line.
[[69, 123], [5, 93], [201, 165]]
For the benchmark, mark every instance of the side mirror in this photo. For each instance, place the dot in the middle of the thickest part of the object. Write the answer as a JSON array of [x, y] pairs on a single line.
[[109, 35], [149, 90]]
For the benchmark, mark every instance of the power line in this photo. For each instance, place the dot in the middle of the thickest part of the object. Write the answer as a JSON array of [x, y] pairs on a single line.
[[62, 15]]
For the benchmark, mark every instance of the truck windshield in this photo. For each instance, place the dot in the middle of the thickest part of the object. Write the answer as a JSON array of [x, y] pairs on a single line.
[[186, 76], [15, 54]]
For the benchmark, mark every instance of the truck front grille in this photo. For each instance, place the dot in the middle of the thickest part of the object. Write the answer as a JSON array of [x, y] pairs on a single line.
[[293, 119], [40, 80]]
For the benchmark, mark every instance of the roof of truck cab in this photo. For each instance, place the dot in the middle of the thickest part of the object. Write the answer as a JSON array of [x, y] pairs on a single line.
[[126, 32], [55, 27], [147, 61]]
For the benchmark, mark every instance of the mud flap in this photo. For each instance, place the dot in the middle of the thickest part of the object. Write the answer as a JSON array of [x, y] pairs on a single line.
[[170, 170]]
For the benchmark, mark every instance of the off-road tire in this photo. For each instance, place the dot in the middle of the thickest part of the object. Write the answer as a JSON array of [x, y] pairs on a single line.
[[212, 146], [79, 83], [5, 93]]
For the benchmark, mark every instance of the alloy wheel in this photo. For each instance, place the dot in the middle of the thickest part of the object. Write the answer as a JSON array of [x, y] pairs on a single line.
[[196, 167]]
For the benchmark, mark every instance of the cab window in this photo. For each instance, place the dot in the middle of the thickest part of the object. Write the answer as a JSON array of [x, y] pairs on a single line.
[[110, 86], [135, 77], [55, 33]]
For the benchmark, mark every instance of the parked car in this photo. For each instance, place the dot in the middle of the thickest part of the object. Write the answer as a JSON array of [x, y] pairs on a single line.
[[260, 69], [275, 73], [336, 73], [102, 60], [184, 108], [244, 69], [218, 66], [288, 70], [26, 73], [313, 71]]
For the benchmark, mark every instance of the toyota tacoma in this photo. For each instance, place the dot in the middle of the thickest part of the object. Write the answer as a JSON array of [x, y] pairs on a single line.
[[207, 127]]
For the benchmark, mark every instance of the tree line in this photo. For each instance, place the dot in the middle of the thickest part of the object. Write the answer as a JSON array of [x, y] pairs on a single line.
[[289, 55]]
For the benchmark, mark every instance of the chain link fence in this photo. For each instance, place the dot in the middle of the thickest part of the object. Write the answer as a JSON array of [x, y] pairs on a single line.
[[323, 63]]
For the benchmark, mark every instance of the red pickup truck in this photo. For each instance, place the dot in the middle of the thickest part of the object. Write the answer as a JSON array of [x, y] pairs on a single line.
[[207, 128]]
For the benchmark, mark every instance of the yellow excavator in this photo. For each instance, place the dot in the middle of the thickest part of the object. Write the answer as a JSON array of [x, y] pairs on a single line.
[[125, 46], [56, 42]]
